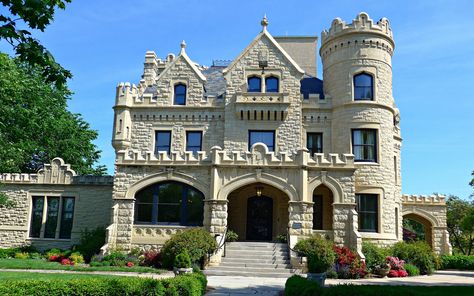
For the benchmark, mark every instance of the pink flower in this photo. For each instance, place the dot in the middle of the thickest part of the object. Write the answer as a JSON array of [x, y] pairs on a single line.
[[130, 264], [53, 258], [66, 262]]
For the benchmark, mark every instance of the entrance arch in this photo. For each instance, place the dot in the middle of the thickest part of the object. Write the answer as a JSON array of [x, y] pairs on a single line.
[[258, 212], [411, 231], [323, 200]]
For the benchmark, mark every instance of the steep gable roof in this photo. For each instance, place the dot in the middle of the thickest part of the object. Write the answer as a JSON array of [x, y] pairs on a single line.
[[184, 56], [272, 40]]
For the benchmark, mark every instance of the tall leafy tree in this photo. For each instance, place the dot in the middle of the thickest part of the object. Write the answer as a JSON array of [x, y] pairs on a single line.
[[460, 222], [22, 16], [35, 125]]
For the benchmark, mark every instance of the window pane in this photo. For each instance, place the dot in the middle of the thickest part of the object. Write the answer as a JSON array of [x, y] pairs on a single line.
[[51, 217], [143, 212], [318, 212], [363, 80], [36, 216], [363, 87], [364, 145], [367, 208], [163, 141], [180, 94], [266, 137], [170, 193], [314, 142], [67, 217], [169, 213], [271, 84], [193, 141], [194, 207], [254, 84]]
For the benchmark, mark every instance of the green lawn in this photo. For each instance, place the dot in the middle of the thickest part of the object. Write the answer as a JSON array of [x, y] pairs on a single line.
[[43, 264], [5, 275], [386, 290]]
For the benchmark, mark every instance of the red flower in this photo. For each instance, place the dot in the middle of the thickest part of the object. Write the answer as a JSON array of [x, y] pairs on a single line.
[[402, 273], [53, 258], [66, 262], [393, 273], [130, 264]]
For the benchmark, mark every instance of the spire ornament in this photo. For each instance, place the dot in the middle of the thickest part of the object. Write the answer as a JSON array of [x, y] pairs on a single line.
[[264, 22], [183, 46]]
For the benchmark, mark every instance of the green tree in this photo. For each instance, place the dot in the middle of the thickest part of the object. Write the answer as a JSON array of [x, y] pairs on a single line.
[[460, 221], [32, 15], [35, 125]]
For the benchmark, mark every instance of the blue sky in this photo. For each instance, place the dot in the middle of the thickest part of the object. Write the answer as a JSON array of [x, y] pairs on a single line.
[[103, 42]]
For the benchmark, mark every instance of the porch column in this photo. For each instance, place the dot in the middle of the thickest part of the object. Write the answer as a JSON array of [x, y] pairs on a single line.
[[215, 220], [300, 218]]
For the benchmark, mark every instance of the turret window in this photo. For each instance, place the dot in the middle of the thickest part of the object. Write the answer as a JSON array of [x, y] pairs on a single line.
[[254, 84], [314, 143], [271, 84], [180, 94], [367, 210], [364, 145], [363, 87]]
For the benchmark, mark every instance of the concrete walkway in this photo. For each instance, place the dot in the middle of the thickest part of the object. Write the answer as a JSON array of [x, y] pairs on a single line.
[[163, 275], [238, 286]]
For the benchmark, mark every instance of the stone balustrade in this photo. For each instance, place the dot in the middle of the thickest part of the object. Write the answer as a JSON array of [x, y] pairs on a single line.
[[434, 199]]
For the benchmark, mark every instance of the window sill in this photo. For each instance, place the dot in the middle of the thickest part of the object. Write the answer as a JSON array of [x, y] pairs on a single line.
[[366, 163]]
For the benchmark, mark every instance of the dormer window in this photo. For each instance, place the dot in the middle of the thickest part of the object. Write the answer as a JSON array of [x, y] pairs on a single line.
[[180, 94], [254, 84], [271, 84], [363, 87]]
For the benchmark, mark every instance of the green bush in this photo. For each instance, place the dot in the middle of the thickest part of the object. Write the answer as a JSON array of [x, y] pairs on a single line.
[[185, 285], [462, 262], [231, 236], [374, 255], [417, 253], [21, 255], [91, 242], [281, 238], [182, 260], [411, 269], [76, 257], [8, 252], [116, 258], [319, 252], [299, 286], [197, 242]]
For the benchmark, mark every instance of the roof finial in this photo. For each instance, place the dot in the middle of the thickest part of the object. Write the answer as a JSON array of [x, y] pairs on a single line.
[[183, 45], [264, 22]]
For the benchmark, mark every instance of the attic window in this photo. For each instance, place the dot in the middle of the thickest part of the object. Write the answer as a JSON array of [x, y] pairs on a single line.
[[180, 94], [254, 84]]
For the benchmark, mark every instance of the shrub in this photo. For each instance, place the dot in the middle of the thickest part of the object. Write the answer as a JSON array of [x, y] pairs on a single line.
[[197, 242], [8, 252], [66, 261], [151, 258], [462, 262], [182, 260], [91, 242], [396, 267], [412, 270], [417, 253], [348, 264], [54, 252], [21, 255], [374, 255], [76, 258], [116, 258], [231, 236], [281, 238], [299, 286], [318, 251]]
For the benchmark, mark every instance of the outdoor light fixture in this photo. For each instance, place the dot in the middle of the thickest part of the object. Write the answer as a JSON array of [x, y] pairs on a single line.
[[259, 190], [263, 60]]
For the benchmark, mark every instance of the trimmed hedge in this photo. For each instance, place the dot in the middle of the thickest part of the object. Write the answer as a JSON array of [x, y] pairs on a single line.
[[462, 262], [374, 255], [299, 286], [185, 285]]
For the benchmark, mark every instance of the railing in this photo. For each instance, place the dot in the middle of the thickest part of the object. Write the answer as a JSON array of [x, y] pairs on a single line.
[[289, 246], [220, 245]]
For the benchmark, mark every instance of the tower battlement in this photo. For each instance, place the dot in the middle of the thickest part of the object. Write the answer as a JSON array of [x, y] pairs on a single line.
[[361, 24]]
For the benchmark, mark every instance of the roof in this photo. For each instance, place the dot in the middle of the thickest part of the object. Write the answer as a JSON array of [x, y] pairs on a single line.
[[311, 85], [215, 83]]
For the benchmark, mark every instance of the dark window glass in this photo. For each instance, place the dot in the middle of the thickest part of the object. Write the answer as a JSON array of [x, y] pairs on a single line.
[[318, 212], [169, 202], [314, 142], [51, 217], [193, 141], [254, 84], [180, 94], [364, 145], [367, 209], [163, 141], [271, 84], [36, 216], [265, 137], [67, 215], [363, 87]]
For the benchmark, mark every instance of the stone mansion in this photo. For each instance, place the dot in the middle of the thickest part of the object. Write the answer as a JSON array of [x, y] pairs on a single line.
[[258, 145]]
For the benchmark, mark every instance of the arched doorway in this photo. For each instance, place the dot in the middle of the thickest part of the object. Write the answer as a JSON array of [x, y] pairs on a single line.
[[322, 208], [416, 227], [257, 212]]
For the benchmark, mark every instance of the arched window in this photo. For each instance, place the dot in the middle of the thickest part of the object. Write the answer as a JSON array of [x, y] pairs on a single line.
[[254, 84], [180, 94], [169, 203], [271, 84], [363, 87]]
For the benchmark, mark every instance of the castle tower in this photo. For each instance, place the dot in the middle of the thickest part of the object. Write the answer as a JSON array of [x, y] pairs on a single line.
[[357, 67]]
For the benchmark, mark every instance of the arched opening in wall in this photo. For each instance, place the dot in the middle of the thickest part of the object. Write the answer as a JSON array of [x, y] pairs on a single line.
[[322, 208], [169, 203], [257, 212], [417, 228]]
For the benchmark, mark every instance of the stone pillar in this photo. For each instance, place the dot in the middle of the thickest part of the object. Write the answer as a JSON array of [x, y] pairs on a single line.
[[342, 226], [123, 220], [215, 221], [300, 218], [440, 241]]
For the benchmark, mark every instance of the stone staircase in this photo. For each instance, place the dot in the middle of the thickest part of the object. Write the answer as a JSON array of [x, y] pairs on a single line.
[[254, 259]]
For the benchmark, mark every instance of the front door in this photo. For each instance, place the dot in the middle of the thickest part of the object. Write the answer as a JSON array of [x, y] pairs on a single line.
[[259, 218]]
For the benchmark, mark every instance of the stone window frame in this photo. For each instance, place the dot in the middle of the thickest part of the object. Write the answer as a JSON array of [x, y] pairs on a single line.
[[370, 70], [162, 129], [374, 126], [317, 131], [173, 83], [185, 137], [45, 194], [249, 131], [257, 72]]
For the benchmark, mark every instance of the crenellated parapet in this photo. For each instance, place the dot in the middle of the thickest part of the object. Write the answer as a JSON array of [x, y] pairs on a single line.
[[433, 199], [259, 156]]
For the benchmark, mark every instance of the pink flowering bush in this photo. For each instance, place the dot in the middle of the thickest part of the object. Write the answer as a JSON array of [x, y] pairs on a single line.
[[67, 262], [348, 264], [130, 264], [396, 267]]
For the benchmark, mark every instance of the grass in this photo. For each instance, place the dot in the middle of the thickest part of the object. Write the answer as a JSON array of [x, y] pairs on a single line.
[[386, 290], [47, 276], [43, 264]]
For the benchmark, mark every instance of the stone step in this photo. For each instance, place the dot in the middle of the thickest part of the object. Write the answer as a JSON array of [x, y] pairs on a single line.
[[258, 252], [250, 248], [256, 245], [268, 256], [226, 260], [255, 265], [281, 273]]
